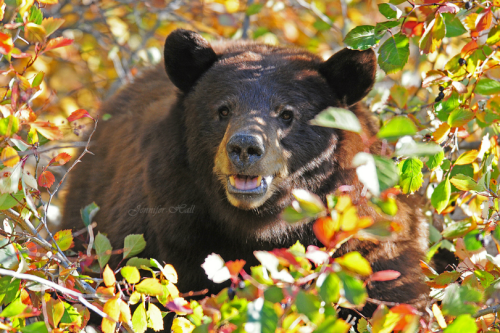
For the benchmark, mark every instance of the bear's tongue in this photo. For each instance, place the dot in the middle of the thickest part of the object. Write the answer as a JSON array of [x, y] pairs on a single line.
[[245, 182]]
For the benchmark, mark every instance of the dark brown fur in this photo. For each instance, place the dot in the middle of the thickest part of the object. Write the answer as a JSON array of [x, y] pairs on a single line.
[[162, 148]]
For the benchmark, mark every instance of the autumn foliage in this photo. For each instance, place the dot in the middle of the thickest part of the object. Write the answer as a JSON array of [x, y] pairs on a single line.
[[438, 102]]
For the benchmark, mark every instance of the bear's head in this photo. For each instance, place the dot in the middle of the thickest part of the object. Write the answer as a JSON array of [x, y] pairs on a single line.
[[248, 109]]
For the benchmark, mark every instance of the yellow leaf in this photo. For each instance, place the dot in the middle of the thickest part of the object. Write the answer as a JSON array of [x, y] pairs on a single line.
[[232, 6], [442, 133], [467, 158], [182, 325], [155, 319], [9, 156], [108, 276], [170, 273], [349, 219], [438, 315], [112, 309], [125, 315], [48, 2], [25, 6]]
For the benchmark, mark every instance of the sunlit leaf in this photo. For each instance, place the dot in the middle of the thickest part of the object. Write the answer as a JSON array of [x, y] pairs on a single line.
[[131, 274], [103, 249], [463, 323], [361, 38], [139, 319], [460, 117], [64, 238], [112, 309], [9, 156], [60, 159], [56, 43], [411, 175], [155, 319], [396, 128], [389, 11], [78, 114], [46, 179], [338, 118], [488, 87], [441, 195], [354, 262], [394, 53], [133, 244], [150, 286]]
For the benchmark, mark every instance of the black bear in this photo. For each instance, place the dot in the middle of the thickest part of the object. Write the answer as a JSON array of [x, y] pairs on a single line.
[[201, 156]]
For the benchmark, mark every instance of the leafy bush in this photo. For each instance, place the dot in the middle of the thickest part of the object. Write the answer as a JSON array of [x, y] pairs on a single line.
[[437, 99]]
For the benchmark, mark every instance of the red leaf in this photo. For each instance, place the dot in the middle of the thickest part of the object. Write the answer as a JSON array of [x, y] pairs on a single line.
[[324, 230], [235, 267], [80, 113], [46, 179], [412, 28], [48, 130], [6, 44], [469, 47], [60, 159], [57, 42], [404, 309], [483, 21], [448, 8], [286, 256], [387, 275], [179, 305]]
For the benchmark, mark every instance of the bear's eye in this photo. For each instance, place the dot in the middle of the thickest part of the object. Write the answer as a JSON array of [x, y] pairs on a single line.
[[286, 115], [223, 111]]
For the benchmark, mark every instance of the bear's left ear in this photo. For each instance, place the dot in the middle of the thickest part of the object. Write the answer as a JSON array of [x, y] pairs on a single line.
[[187, 56], [351, 74]]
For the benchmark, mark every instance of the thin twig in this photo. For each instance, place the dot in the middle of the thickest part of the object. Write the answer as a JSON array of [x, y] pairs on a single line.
[[483, 312]]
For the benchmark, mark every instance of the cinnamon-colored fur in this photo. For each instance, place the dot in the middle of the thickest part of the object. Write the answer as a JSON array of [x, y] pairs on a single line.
[[162, 145]]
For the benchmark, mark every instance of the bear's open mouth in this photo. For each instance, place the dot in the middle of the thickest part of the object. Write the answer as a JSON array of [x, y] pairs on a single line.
[[243, 184]]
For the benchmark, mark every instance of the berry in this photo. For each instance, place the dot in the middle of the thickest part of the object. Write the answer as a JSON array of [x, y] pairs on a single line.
[[438, 99], [441, 95], [461, 61], [231, 293], [468, 5], [441, 88]]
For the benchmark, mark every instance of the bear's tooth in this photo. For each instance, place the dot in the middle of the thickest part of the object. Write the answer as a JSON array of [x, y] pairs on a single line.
[[259, 180], [231, 180]]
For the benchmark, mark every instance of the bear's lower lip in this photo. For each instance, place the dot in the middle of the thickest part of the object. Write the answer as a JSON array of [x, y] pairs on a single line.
[[248, 185]]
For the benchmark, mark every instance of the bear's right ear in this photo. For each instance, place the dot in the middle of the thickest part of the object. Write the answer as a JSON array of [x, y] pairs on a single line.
[[187, 56], [351, 74]]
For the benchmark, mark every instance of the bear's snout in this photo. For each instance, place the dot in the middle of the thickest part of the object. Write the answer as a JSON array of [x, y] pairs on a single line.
[[244, 150]]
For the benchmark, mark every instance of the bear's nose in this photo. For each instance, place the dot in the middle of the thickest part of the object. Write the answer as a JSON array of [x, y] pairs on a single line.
[[245, 149]]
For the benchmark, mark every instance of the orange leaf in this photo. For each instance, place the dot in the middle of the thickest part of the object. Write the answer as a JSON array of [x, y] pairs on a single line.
[[468, 48], [6, 43], [483, 21], [48, 2], [386, 275], [80, 113], [47, 129], [235, 267], [112, 309], [324, 229], [57, 42], [109, 277], [46, 179], [441, 133], [60, 159], [9, 156]]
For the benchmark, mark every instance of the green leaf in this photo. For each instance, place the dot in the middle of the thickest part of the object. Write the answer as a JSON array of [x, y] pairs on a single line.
[[103, 249], [389, 11], [329, 290], [441, 195], [463, 324], [291, 215], [261, 317], [9, 125], [338, 118], [466, 183], [411, 175], [454, 26], [460, 117], [457, 299], [37, 327], [354, 262], [8, 289], [446, 278], [8, 200], [457, 229], [394, 53], [63, 238], [361, 38], [13, 309], [150, 286], [484, 277], [88, 213], [382, 27], [138, 262], [406, 146], [309, 305], [37, 80], [354, 290], [496, 233], [444, 108], [139, 319], [134, 244], [274, 294], [377, 173], [310, 203], [71, 315], [332, 324], [494, 35], [254, 9], [397, 127], [472, 242], [435, 160], [131, 274], [487, 87]]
